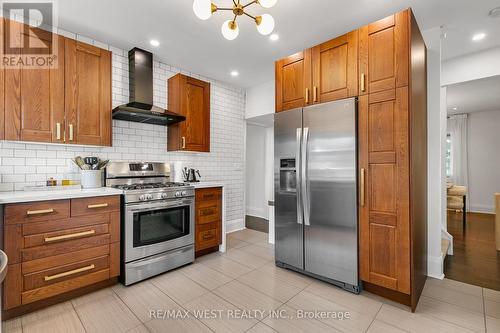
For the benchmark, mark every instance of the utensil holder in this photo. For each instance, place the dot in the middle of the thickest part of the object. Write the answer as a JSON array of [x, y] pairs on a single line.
[[91, 178]]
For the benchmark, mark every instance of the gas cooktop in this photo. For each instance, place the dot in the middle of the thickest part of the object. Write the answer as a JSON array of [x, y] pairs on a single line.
[[148, 186]]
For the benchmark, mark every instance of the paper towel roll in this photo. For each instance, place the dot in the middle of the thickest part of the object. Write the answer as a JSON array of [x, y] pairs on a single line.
[[177, 172]]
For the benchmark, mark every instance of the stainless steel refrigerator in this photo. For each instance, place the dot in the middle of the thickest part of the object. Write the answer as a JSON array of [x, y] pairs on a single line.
[[316, 218]]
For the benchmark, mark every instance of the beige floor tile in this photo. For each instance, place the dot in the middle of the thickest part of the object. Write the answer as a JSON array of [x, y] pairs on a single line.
[[139, 329], [264, 243], [415, 322], [205, 276], [178, 287], [492, 308], [296, 325], [58, 318], [190, 325], [492, 295], [261, 328], [492, 324], [223, 321], [249, 235], [270, 285], [12, 326], [234, 243], [286, 275], [245, 297], [454, 296], [245, 258], [259, 251], [358, 303], [105, 312], [451, 313], [305, 301], [144, 299], [227, 266], [380, 327], [455, 285]]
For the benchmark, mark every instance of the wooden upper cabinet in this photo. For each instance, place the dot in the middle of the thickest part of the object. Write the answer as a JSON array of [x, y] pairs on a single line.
[[384, 54], [335, 69], [189, 97], [293, 81], [87, 94], [34, 98]]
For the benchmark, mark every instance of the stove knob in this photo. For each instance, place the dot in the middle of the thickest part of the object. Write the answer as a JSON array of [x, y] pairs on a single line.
[[164, 196], [184, 193], [142, 197], [178, 194], [149, 197]]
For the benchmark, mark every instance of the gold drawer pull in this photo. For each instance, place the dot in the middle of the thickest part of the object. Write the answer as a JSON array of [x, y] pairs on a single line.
[[41, 211], [98, 206], [363, 82], [69, 236], [362, 187], [75, 271], [208, 236]]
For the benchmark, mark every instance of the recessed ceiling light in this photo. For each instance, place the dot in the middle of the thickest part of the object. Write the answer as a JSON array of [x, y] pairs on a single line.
[[274, 37], [234, 73], [154, 42], [455, 108], [478, 37]]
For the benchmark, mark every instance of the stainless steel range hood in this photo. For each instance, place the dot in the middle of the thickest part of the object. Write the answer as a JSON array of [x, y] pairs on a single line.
[[140, 109]]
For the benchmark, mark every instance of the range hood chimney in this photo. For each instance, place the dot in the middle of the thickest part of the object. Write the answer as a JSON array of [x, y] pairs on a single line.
[[140, 109]]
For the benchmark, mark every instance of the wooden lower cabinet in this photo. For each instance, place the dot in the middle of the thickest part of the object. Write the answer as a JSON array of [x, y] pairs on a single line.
[[208, 216], [57, 247]]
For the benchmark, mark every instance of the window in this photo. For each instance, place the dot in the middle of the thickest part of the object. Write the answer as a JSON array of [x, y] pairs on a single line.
[[449, 168]]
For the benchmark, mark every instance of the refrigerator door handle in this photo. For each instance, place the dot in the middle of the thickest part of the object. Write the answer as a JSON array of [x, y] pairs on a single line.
[[304, 185], [297, 176]]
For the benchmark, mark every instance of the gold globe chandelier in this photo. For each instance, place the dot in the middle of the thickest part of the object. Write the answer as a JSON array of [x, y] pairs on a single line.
[[204, 9]]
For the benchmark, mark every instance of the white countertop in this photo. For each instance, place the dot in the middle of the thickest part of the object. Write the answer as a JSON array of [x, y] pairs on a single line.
[[206, 184], [42, 195]]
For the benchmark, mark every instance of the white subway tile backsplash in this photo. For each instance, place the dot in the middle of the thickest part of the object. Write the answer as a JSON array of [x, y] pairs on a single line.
[[28, 164]]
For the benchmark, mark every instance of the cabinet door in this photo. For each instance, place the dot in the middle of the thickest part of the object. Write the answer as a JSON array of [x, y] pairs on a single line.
[[335, 69], [384, 192], [293, 81], [88, 94], [34, 98], [384, 52]]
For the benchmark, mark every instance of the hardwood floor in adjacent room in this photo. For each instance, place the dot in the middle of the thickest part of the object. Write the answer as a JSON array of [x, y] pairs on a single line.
[[476, 260]]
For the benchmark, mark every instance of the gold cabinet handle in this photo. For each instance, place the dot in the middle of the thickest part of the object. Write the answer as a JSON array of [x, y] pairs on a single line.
[[74, 271], [363, 82], [102, 205], [58, 131], [362, 188], [71, 132], [307, 95], [315, 94], [69, 236], [183, 142], [39, 212]]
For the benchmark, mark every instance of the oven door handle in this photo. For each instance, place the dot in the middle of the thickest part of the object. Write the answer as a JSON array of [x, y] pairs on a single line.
[[157, 206]]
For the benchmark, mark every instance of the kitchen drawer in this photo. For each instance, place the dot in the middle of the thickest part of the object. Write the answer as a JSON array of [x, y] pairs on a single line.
[[37, 211], [64, 247], [67, 235], [207, 236], [64, 272], [96, 205], [60, 225], [208, 211], [204, 194]]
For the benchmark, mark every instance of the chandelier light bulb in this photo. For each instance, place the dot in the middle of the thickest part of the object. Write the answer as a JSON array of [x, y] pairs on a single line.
[[230, 30], [202, 9], [265, 24], [267, 3]]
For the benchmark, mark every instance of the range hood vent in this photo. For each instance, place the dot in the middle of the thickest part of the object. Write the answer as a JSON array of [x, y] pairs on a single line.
[[141, 108]]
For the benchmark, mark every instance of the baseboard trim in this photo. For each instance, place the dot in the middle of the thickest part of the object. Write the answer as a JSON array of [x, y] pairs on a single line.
[[257, 212], [235, 225], [435, 267]]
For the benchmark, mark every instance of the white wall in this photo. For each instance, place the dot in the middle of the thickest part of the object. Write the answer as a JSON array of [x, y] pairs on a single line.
[[484, 160], [260, 100], [255, 176], [473, 66], [27, 164]]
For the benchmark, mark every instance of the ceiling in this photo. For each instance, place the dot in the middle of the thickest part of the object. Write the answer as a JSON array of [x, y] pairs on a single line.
[[198, 46], [474, 96]]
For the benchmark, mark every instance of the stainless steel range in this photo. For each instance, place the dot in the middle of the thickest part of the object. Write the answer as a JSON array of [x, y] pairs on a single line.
[[157, 219]]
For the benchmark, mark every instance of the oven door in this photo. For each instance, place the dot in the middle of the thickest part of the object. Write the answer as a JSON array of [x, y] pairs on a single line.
[[153, 228]]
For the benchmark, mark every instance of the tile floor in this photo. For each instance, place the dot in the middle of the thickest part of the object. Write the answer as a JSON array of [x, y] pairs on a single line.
[[245, 278]]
